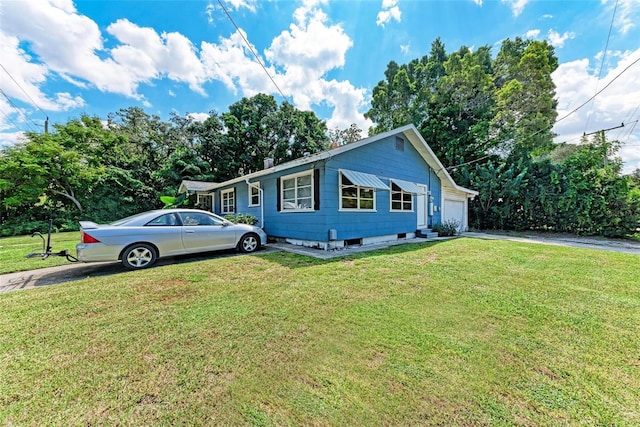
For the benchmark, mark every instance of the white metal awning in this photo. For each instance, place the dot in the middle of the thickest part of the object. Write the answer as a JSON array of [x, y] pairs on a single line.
[[364, 179], [408, 187]]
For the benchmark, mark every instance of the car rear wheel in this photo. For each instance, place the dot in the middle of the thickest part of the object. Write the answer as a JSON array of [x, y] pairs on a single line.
[[249, 243], [138, 256]]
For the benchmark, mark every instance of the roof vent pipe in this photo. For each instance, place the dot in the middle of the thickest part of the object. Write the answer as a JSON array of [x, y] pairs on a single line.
[[268, 162]]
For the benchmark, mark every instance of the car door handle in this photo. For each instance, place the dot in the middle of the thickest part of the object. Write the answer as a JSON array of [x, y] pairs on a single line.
[[189, 231]]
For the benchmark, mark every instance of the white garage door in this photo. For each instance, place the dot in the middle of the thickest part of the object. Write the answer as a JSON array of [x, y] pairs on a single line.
[[454, 210]]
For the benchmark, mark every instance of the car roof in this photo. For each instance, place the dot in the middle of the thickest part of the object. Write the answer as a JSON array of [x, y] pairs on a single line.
[[144, 217]]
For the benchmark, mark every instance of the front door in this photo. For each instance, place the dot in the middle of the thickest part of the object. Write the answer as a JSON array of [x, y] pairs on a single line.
[[421, 206]]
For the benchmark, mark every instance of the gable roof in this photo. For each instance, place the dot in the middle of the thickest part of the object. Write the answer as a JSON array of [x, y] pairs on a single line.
[[193, 186], [409, 132]]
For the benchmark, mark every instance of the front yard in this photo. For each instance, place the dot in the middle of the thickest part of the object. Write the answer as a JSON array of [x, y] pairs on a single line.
[[460, 332]]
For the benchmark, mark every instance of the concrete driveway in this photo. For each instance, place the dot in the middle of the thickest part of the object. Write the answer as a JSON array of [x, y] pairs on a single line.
[[66, 273]]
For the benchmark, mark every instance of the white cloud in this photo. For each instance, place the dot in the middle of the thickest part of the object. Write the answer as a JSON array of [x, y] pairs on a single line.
[[304, 72], [557, 40], [627, 13], [390, 10], [232, 63], [576, 84], [22, 78], [209, 10], [478, 2], [68, 43], [8, 139], [404, 48], [198, 117], [242, 4], [517, 6], [74, 50], [532, 34]]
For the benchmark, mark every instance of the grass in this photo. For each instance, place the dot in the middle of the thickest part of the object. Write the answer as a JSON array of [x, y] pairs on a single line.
[[461, 332], [14, 251]]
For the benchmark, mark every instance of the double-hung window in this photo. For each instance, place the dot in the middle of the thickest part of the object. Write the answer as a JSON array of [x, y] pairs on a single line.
[[228, 201], [400, 200], [354, 196], [254, 194], [296, 193]]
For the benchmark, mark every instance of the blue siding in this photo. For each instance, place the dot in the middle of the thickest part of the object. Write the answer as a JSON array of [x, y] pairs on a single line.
[[380, 158]]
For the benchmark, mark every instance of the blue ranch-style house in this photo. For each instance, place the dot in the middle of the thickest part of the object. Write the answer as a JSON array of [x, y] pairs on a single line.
[[386, 187]]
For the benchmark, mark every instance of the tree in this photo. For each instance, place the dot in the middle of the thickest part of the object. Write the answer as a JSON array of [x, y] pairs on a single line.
[[525, 104], [257, 128], [338, 137]]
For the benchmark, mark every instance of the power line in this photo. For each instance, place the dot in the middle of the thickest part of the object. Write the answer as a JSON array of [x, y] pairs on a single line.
[[24, 91], [604, 56], [252, 51], [10, 119], [46, 122], [24, 118], [599, 92]]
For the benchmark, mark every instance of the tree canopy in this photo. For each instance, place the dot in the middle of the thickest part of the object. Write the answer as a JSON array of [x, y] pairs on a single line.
[[101, 170], [488, 118], [490, 121]]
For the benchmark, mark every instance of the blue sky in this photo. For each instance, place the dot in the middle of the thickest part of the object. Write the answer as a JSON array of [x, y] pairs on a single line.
[[63, 58]]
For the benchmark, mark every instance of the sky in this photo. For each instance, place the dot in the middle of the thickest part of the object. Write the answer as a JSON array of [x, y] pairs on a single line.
[[62, 58]]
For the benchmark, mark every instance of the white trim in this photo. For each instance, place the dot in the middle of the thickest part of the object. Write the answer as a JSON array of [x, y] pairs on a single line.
[[358, 197], [402, 192], [406, 186], [254, 186], [410, 132], [223, 193], [364, 180], [209, 195], [295, 177]]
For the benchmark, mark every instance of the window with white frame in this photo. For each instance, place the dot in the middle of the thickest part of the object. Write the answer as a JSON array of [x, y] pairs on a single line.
[[254, 194], [296, 193], [356, 197], [205, 201], [228, 201], [400, 200]]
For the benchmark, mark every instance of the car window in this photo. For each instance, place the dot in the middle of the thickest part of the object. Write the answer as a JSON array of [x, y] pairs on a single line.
[[166, 220], [197, 218]]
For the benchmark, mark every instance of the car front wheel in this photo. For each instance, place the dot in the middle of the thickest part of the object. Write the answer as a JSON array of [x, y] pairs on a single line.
[[139, 256], [249, 243]]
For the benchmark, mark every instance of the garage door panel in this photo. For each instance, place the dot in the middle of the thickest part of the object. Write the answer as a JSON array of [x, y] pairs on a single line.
[[454, 210]]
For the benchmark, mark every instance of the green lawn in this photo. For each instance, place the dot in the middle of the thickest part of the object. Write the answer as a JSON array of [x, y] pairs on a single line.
[[461, 332], [14, 251]]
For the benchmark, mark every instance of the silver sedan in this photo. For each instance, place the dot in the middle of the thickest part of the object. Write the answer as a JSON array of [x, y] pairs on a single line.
[[139, 240]]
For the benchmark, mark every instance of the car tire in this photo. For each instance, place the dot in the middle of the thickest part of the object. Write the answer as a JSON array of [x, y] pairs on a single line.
[[249, 243], [139, 256]]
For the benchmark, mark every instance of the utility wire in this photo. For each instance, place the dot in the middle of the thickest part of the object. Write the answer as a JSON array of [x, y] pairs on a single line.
[[10, 119], [24, 118], [599, 92], [24, 91], [252, 51], [604, 56], [565, 116]]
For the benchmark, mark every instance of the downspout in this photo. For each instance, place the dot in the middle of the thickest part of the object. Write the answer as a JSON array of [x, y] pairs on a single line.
[[261, 193]]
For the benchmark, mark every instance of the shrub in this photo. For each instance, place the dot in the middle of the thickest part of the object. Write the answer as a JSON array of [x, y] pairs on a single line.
[[242, 219], [447, 228]]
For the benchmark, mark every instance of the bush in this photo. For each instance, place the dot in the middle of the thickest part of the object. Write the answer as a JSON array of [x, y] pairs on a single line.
[[447, 228], [242, 219]]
